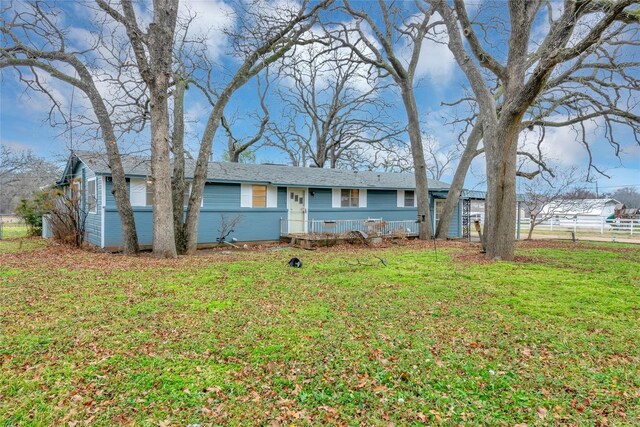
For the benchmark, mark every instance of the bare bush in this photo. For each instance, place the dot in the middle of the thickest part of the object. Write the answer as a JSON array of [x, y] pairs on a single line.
[[68, 217]]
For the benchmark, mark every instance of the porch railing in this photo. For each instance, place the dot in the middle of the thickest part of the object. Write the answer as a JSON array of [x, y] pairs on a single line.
[[371, 226]]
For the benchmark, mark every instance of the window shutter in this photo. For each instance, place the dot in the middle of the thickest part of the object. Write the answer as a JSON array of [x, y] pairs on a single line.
[[335, 197], [246, 196], [400, 199], [138, 192], [272, 197], [362, 198]]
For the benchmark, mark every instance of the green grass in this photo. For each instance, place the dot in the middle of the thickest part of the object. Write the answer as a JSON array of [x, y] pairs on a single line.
[[228, 339], [12, 230], [20, 245]]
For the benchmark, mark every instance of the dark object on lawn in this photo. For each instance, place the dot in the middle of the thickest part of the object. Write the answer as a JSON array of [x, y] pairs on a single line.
[[295, 262]]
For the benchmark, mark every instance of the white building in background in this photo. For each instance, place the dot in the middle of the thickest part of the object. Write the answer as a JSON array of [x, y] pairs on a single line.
[[584, 209]]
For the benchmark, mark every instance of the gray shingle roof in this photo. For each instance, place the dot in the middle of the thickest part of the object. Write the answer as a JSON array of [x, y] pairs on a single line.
[[269, 174]]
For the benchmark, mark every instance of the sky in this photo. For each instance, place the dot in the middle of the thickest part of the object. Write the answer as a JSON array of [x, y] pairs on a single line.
[[24, 122]]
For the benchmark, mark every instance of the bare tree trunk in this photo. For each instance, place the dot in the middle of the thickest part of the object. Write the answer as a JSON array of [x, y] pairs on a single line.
[[320, 157], [200, 173], [501, 145], [178, 181], [234, 155], [119, 181], [164, 244], [157, 75], [531, 227], [121, 196], [422, 184], [455, 190]]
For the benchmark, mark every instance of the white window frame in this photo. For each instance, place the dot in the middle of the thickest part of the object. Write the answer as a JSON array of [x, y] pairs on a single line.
[[246, 196], [401, 200], [138, 197], [147, 186], [336, 198]]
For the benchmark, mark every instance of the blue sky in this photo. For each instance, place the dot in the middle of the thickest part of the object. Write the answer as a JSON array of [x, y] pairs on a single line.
[[24, 114]]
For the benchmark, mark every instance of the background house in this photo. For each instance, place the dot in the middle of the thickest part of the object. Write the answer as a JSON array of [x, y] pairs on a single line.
[[267, 200], [580, 209]]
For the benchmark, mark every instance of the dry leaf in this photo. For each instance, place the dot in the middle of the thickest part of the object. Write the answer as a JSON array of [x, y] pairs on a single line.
[[542, 412]]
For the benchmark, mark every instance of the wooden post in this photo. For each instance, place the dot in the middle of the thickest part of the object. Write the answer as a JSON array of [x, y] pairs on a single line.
[[476, 223]]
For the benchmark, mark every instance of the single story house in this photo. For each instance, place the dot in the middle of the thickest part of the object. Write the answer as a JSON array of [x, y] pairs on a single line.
[[268, 201]]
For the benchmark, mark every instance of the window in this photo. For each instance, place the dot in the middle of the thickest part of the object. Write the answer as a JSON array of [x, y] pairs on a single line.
[[138, 192], [149, 192], [92, 196], [409, 199], [187, 193], [349, 198], [259, 196]]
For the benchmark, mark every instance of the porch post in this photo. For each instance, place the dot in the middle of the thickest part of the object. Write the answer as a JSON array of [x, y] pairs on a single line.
[[433, 219], [518, 221]]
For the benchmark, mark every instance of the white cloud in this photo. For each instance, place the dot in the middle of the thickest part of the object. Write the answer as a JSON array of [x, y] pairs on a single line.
[[436, 62], [560, 145], [210, 20]]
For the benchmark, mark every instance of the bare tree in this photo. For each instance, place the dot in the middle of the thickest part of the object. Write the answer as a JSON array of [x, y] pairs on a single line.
[[153, 51], [237, 146], [32, 40], [375, 42], [544, 197], [629, 196], [333, 105], [13, 161], [395, 156], [579, 193], [388, 156], [21, 174], [592, 89], [261, 38], [514, 84], [440, 159]]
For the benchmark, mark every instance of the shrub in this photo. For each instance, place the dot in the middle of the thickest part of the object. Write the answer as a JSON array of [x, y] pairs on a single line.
[[31, 210]]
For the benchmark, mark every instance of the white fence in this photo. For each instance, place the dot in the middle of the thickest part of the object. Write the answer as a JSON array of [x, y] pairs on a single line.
[[370, 226], [595, 225]]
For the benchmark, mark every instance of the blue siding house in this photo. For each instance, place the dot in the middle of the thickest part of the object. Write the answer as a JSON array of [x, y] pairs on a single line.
[[268, 201]]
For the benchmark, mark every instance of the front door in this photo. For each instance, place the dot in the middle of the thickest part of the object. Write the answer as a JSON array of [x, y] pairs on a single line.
[[297, 209]]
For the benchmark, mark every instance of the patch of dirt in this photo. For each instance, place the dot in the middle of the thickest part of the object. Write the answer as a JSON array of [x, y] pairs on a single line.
[[55, 256]]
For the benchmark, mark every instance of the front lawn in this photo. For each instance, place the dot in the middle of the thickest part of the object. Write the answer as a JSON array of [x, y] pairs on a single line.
[[240, 338]]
